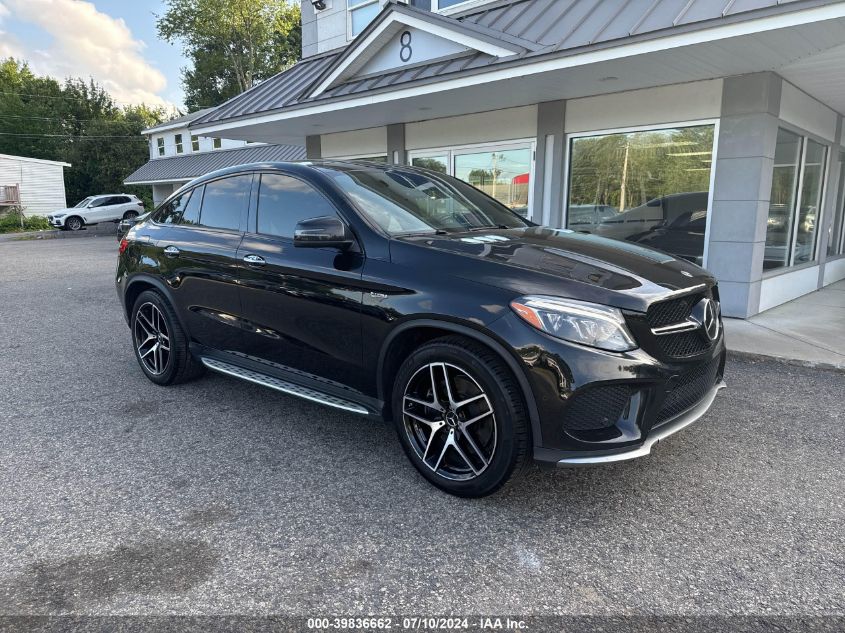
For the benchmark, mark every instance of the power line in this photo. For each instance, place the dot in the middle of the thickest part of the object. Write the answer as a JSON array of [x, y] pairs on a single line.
[[62, 120], [71, 98], [71, 136]]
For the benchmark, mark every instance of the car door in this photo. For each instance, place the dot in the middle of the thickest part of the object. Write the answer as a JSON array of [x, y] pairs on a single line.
[[198, 243], [302, 305], [98, 211]]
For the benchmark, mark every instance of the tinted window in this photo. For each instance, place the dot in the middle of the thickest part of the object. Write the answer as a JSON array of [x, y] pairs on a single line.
[[172, 211], [284, 201], [99, 202], [224, 202], [191, 212], [401, 201]]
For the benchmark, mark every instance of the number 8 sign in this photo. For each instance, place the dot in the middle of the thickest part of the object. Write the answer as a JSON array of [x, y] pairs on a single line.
[[405, 51]]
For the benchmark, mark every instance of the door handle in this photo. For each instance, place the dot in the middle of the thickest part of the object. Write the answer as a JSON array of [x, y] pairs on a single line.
[[171, 251], [255, 260]]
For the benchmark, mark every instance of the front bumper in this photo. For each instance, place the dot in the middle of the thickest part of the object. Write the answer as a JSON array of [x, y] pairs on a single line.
[[671, 427], [57, 222]]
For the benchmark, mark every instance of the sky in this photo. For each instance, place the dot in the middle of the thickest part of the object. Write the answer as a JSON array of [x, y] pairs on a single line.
[[113, 41]]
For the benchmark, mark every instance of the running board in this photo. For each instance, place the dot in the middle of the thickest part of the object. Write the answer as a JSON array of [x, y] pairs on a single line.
[[281, 385]]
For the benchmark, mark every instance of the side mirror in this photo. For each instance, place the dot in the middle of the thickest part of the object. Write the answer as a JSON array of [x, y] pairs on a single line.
[[322, 232]]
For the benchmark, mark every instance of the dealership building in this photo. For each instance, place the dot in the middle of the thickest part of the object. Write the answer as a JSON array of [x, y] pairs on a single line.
[[711, 129]]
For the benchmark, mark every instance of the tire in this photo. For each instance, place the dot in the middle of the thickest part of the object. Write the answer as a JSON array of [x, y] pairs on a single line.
[[74, 223], [154, 323], [129, 215], [460, 449]]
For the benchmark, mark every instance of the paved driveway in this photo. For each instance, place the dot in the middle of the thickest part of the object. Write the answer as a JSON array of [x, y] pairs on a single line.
[[117, 496]]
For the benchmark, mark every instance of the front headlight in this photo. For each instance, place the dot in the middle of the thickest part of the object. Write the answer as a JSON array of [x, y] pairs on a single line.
[[576, 321]]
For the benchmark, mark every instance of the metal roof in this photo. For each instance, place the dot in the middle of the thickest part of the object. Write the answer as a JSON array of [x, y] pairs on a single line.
[[274, 93], [190, 166], [177, 122], [542, 27]]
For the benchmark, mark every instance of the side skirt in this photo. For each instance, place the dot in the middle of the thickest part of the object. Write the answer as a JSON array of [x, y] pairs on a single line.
[[289, 388]]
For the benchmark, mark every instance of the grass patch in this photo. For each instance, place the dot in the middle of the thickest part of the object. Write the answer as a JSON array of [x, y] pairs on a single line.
[[16, 222]]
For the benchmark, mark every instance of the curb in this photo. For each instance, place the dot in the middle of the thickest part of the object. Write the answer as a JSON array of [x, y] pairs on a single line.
[[57, 234], [794, 362]]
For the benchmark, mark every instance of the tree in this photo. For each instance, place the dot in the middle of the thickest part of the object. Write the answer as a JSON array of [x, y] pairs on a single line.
[[75, 122], [232, 44]]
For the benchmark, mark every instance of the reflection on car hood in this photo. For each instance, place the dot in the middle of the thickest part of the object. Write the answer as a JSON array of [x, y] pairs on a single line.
[[558, 262]]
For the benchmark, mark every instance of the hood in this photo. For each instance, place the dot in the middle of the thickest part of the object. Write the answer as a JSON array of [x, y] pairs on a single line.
[[65, 211], [559, 262]]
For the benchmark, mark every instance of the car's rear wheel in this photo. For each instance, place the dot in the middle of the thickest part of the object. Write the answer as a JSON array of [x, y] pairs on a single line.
[[461, 417], [130, 214], [73, 223], [160, 343]]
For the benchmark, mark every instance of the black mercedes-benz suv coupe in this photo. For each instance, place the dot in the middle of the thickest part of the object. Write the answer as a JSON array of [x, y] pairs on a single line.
[[405, 295]]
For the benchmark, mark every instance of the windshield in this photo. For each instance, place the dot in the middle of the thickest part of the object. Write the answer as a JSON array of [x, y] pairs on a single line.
[[402, 201], [84, 203]]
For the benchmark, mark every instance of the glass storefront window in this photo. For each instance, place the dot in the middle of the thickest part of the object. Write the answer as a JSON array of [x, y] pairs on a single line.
[[650, 187], [501, 171], [795, 202], [782, 199], [809, 213], [435, 163], [835, 239], [501, 174]]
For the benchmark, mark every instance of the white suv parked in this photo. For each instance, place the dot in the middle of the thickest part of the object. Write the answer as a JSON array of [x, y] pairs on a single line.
[[94, 209]]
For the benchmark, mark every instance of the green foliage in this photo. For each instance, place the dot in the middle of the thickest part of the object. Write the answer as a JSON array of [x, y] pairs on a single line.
[[76, 122], [232, 44], [16, 221]]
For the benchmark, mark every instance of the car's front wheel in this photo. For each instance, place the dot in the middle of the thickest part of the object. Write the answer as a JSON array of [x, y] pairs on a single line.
[[160, 343], [73, 223], [461, 417]]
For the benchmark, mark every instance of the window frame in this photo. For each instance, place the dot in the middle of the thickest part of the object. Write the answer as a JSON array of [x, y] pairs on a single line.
[[820, 257], [179, 142], [217, 143], [836, 241], [452, 151], [195, 143], [160, 146], [246, 212], [652, 127], [349, 9], [252, 228]]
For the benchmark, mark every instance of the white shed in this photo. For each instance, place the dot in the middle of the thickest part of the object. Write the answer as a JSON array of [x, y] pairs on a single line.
[[38, 186]]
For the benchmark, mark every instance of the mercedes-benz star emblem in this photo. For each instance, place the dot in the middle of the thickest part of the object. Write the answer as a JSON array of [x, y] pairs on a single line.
[[706, 312]]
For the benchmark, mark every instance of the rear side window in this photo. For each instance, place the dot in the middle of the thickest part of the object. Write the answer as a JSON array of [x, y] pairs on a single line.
[[191, 212], [224, 202], [172, 211], [284, 201]]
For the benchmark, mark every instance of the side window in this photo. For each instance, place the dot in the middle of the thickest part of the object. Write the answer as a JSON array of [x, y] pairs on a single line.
[[191, 212], [99, 202], [283, 201], [172, 211], [224, 202]]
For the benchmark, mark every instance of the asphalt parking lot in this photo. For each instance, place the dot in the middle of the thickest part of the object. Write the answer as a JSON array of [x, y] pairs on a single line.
[[120, 497]]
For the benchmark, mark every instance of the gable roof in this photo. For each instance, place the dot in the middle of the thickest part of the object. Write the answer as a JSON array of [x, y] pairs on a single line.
[[189, 166], [396, 17], [540, 28]]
